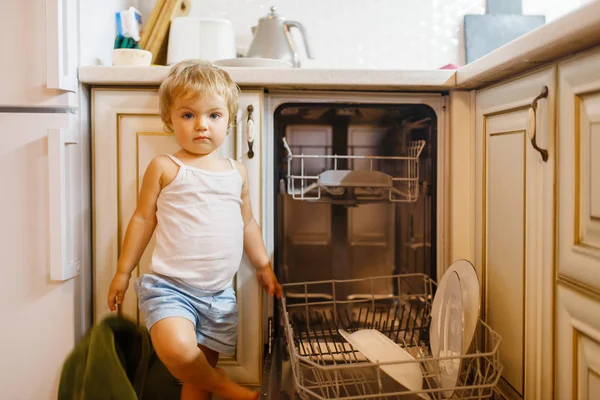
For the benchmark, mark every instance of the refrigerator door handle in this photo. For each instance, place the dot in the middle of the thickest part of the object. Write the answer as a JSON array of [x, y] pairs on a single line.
[[60, 45], [61, 269]]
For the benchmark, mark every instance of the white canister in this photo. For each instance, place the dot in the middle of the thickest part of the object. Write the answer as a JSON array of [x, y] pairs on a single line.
[[200, 38]]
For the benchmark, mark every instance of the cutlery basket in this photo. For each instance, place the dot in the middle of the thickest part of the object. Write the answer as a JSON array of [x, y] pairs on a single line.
[[325, 366]]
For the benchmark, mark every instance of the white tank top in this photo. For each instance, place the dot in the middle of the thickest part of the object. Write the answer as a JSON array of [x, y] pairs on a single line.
[[200, 229]]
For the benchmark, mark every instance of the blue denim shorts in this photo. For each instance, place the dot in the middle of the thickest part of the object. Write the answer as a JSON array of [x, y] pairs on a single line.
[[214, 315]]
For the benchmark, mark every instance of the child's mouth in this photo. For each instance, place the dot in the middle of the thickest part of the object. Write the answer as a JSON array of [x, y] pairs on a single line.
[[200, 138]]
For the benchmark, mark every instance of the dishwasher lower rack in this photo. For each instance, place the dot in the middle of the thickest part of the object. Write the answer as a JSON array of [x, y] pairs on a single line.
[[325, 366]]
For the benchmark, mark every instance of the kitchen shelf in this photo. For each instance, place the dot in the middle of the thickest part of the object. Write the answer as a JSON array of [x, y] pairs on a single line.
[[354, 179]]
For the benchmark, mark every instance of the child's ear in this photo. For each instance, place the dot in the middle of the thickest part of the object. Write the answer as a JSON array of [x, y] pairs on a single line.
[[168, 125], [231, 125]]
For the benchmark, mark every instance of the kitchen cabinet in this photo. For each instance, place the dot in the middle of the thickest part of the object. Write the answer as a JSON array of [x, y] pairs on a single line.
[[578, 259], [514, 226], [530, 226], [127, 133]]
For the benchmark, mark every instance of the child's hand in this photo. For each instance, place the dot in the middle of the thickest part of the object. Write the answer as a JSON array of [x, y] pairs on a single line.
[[118, 287], [267, 279]]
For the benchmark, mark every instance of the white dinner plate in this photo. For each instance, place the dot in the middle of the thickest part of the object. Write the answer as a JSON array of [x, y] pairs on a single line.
[[451, 328], [377, 347], [470, 302], [469, 284]]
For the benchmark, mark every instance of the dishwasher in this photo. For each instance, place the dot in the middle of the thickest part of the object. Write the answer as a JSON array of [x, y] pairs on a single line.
[[355, 182]]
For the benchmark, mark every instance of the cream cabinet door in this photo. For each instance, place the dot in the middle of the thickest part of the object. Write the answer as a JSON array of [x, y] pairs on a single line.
[[127, 134], [578, 302], [514, 225]]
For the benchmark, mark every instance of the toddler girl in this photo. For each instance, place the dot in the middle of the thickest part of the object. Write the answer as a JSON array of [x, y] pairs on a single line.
[[199, 204]]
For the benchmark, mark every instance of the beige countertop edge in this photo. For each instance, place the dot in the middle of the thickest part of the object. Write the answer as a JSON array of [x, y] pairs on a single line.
[[297, 78], [572, 33]]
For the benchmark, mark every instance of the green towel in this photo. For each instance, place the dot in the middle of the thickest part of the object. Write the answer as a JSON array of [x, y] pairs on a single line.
[[115, 360]]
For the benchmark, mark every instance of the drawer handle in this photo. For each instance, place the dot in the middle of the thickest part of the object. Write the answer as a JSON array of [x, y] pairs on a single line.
[[61, 267], [250, 131], [533, 122], [60, 45]]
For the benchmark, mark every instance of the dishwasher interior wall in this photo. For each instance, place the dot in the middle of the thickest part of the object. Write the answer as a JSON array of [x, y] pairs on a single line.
[[324, 240]]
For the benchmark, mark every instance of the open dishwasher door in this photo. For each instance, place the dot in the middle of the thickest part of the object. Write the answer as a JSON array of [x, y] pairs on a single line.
[[273, 383]]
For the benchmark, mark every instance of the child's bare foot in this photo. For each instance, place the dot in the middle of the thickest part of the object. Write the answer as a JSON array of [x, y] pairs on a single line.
[[231, 390]]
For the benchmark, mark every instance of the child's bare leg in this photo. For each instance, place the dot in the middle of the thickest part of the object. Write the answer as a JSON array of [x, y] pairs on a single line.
[[192, 392], [174, 340]]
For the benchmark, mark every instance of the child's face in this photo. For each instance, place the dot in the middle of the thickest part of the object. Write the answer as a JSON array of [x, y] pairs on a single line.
[[200, 124]]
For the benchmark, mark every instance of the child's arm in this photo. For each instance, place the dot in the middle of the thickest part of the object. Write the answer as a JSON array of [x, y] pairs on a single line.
[[253, 242], [138, 234]]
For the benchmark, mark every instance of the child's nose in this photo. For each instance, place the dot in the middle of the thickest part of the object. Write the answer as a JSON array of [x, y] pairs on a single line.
[[201, 123]]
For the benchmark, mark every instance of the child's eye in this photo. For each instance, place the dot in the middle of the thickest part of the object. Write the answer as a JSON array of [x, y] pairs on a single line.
[[215, 115], [187, 116]]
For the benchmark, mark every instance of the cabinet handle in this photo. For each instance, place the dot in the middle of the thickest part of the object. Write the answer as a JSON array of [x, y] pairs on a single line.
[[61, 269], [533, 123], [250, 131], [60, 45]]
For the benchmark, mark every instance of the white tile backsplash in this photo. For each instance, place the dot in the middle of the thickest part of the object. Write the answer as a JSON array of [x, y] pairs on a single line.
[[552, 9], [98, 29], [374, 34]]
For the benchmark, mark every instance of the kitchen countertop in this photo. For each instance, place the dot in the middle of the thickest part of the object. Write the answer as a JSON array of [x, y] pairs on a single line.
[[289, 78], [569, 34], [573, 32]]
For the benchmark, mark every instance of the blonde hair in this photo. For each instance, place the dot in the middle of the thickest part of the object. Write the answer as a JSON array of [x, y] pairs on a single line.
[[194, 78]]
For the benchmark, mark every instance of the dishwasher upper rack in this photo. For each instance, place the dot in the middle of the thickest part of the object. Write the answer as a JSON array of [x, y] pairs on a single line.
[[325, 366], [380, 179]]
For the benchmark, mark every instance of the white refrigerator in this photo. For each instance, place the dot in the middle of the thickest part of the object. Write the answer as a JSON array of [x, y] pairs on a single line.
[[45, 206]]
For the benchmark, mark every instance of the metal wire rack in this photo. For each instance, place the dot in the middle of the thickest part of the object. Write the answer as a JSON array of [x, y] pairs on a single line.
[[361, 179], [325, 366]]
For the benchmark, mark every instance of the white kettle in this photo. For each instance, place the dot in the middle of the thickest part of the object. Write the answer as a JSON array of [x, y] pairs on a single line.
[[272, 39]]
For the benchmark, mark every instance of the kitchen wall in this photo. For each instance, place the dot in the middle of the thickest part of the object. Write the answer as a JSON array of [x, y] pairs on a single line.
[[98, 29], [552, 9], [376, 34], [382, 34]]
